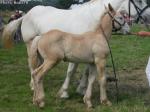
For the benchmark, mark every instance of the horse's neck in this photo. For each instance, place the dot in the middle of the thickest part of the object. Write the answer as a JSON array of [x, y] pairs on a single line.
[[105, 26], [97, 8]]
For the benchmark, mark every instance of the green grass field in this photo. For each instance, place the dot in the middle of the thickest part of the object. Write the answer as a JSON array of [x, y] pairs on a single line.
[[130, 54]]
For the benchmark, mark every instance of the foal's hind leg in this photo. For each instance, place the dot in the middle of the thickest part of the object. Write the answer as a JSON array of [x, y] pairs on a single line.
[[38, 75], [63, 92], [32, 61]]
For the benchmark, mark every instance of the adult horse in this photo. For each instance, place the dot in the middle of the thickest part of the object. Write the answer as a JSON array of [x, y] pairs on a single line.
[[41, 19]]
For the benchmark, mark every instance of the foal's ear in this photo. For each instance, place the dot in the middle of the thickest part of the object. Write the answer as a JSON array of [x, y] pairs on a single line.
[[111, 8]]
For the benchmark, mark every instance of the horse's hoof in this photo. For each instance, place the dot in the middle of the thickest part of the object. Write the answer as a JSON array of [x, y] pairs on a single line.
[[106, 102], [31, 86], [63, 94], [81, 91]]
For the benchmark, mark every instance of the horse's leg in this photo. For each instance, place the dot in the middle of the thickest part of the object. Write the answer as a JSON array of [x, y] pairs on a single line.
[[63, 92], [32, 65], [38, 75], [83, 82], [102, 81], [91, 79]]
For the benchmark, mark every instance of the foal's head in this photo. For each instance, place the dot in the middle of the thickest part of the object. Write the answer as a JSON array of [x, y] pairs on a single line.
[[115, 19], [107, 18], [120, 24]]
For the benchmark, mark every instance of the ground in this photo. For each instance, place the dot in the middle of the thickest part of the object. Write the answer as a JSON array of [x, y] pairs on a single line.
[[130, 55]]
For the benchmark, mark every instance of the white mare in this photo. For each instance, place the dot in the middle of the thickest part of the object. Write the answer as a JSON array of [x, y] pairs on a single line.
[[41, 19]]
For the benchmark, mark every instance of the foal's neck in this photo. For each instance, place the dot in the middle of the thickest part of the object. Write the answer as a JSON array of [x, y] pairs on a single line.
[[105, 26]]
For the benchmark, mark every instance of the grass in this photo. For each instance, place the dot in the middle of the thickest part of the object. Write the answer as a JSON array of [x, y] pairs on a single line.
[[130, 54]]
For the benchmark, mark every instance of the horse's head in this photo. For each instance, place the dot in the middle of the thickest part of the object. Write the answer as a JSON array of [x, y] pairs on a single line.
[[119, 24]]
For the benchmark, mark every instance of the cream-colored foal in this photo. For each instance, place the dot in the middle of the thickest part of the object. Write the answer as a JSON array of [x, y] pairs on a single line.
[[90, 47]]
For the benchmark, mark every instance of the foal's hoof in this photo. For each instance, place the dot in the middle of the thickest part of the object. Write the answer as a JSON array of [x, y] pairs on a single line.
[[87, 101], [63, 94], [40, 104], [106, 102]]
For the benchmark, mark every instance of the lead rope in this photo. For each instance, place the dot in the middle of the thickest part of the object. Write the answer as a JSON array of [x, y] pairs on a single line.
[[112, 60]]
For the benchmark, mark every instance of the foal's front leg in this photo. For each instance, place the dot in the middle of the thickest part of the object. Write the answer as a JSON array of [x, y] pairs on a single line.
[[63, 92], [102, 81]]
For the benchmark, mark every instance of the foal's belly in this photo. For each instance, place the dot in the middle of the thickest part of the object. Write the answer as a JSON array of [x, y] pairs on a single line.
[[79, 57]]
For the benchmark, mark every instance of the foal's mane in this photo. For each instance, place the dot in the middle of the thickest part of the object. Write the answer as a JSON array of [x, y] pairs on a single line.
[[101, 21]]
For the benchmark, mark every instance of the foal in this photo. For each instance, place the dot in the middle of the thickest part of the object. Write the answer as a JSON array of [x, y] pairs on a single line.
[[90, 47]]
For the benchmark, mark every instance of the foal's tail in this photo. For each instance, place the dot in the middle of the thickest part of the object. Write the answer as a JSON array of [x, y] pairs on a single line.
[[34, 52], [9, 32]]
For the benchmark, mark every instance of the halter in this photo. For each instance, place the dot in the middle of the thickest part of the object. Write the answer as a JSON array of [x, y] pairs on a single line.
[[115, 21], [138, 10], [120, 25]]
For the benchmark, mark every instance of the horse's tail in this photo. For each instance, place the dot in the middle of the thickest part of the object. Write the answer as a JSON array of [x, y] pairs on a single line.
[[9, 32], [34, 52]]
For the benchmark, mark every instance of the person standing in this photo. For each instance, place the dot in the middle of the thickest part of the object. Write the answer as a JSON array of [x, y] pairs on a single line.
[[148, 70]]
